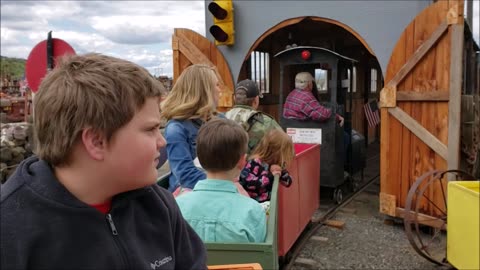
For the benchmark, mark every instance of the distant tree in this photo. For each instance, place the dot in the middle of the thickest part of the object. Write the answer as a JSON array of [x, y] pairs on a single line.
[[12, 67]]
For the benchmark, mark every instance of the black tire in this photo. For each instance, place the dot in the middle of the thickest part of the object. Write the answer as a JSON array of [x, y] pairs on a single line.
[[338, 195]]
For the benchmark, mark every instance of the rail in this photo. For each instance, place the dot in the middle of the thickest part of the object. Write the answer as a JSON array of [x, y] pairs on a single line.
[[319, 222]]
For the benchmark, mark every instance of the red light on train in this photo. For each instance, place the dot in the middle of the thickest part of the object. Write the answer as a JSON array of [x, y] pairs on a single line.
[[306, 54]]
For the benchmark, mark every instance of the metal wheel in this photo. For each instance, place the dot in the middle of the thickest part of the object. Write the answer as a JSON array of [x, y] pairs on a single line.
[[426, 215], [338, 195]]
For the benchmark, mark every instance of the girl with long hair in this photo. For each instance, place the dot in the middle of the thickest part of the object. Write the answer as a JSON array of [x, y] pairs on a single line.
[[190, 103], [272, 156]]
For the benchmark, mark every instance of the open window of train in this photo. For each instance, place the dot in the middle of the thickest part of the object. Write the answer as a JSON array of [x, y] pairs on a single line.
[[258, 70], [321, 80]]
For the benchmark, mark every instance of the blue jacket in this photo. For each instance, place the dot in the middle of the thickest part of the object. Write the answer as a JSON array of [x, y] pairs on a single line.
[[181, 136], [218, 213], [43, 226]]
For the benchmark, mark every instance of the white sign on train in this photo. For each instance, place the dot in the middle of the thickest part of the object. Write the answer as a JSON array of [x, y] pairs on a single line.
[[305, 135]]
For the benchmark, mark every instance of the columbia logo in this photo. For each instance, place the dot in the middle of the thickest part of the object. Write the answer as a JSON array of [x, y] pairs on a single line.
[[161, 262]]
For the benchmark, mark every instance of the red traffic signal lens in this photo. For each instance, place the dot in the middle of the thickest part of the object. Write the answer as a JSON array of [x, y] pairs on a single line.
[[218, 33], [217, 11]]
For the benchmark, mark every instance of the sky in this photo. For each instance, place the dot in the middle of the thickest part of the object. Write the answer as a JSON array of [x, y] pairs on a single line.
[[139, 31]]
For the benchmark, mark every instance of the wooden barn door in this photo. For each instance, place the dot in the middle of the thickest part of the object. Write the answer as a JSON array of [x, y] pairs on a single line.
[[191, 48], [420, 104]]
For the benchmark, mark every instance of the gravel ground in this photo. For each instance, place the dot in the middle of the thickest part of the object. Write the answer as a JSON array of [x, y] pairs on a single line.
[[365, 242]]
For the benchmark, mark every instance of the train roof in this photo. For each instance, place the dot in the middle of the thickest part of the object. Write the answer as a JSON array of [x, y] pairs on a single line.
[[314, 50]]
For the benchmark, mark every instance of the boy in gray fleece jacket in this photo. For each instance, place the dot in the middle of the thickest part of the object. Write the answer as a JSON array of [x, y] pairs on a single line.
[[88, 199]]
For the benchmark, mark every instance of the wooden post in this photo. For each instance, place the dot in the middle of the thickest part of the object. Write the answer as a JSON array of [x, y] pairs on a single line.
[[176, 57], [454, 105]]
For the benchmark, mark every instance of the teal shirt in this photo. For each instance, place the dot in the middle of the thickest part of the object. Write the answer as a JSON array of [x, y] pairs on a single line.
[[218, 213]]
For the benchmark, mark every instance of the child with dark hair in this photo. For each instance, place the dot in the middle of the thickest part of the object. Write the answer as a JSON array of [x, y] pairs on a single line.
[[215, 209]]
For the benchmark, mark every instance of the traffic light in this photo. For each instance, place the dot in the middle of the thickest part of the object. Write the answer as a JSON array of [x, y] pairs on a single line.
[[222, 29]]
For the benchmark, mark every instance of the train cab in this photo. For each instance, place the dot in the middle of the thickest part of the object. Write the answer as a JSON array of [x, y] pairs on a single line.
[[342, 148]]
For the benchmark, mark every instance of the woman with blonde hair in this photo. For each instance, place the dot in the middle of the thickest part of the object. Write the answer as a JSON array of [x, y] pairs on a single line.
[[272, 156], [190, 103]]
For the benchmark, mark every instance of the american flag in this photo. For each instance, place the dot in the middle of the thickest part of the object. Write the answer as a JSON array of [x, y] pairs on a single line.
[[372, 113]]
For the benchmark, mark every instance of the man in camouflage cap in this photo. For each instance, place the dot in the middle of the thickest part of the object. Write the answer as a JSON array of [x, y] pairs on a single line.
[[245, 113]]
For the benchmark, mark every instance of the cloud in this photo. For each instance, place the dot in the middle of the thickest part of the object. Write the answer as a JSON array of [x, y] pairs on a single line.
[[158, 63], [35, 16], [152, 25], [131, 29], [9, 36], [139, 31], [21, 18], [17, 51]]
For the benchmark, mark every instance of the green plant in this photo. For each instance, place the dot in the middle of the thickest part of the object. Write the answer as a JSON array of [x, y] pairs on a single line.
[[13, 67]]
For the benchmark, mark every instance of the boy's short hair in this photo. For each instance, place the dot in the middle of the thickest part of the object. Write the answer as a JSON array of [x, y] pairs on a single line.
[[90, 90], [220, 144]]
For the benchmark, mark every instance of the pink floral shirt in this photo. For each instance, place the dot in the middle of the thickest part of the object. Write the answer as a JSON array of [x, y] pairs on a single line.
[[257, 179]]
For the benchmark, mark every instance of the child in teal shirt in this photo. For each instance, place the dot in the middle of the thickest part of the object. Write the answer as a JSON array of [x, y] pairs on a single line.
[[215, 209]]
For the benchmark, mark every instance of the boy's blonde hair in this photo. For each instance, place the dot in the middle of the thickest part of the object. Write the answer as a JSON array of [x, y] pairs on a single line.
[[192, 95], [276, 147], [90, 90]]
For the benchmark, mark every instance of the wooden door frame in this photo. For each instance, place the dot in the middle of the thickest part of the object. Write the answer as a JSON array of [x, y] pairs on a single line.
[[389, 95]]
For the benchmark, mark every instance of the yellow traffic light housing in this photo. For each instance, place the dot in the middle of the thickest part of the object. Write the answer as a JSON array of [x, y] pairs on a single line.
[[222, 29]]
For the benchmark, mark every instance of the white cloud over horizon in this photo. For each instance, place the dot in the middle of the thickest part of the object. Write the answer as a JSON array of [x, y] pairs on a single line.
[[139, 31]]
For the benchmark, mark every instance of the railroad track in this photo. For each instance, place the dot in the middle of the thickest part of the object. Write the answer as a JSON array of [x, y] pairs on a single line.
[[318, 223]]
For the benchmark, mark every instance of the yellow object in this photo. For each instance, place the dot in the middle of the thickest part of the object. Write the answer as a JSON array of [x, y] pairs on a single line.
[[222, 30], [463, 224]]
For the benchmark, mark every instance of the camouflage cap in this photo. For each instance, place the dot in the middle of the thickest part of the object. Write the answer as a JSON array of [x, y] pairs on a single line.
[[249, 87]]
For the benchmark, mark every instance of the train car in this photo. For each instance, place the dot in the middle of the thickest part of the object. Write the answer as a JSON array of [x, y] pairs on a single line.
[[337, 157], [236, 253], [291, 211]]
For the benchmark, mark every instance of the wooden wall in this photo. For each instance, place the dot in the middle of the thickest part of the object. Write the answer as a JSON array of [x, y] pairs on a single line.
[[404, 156]]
